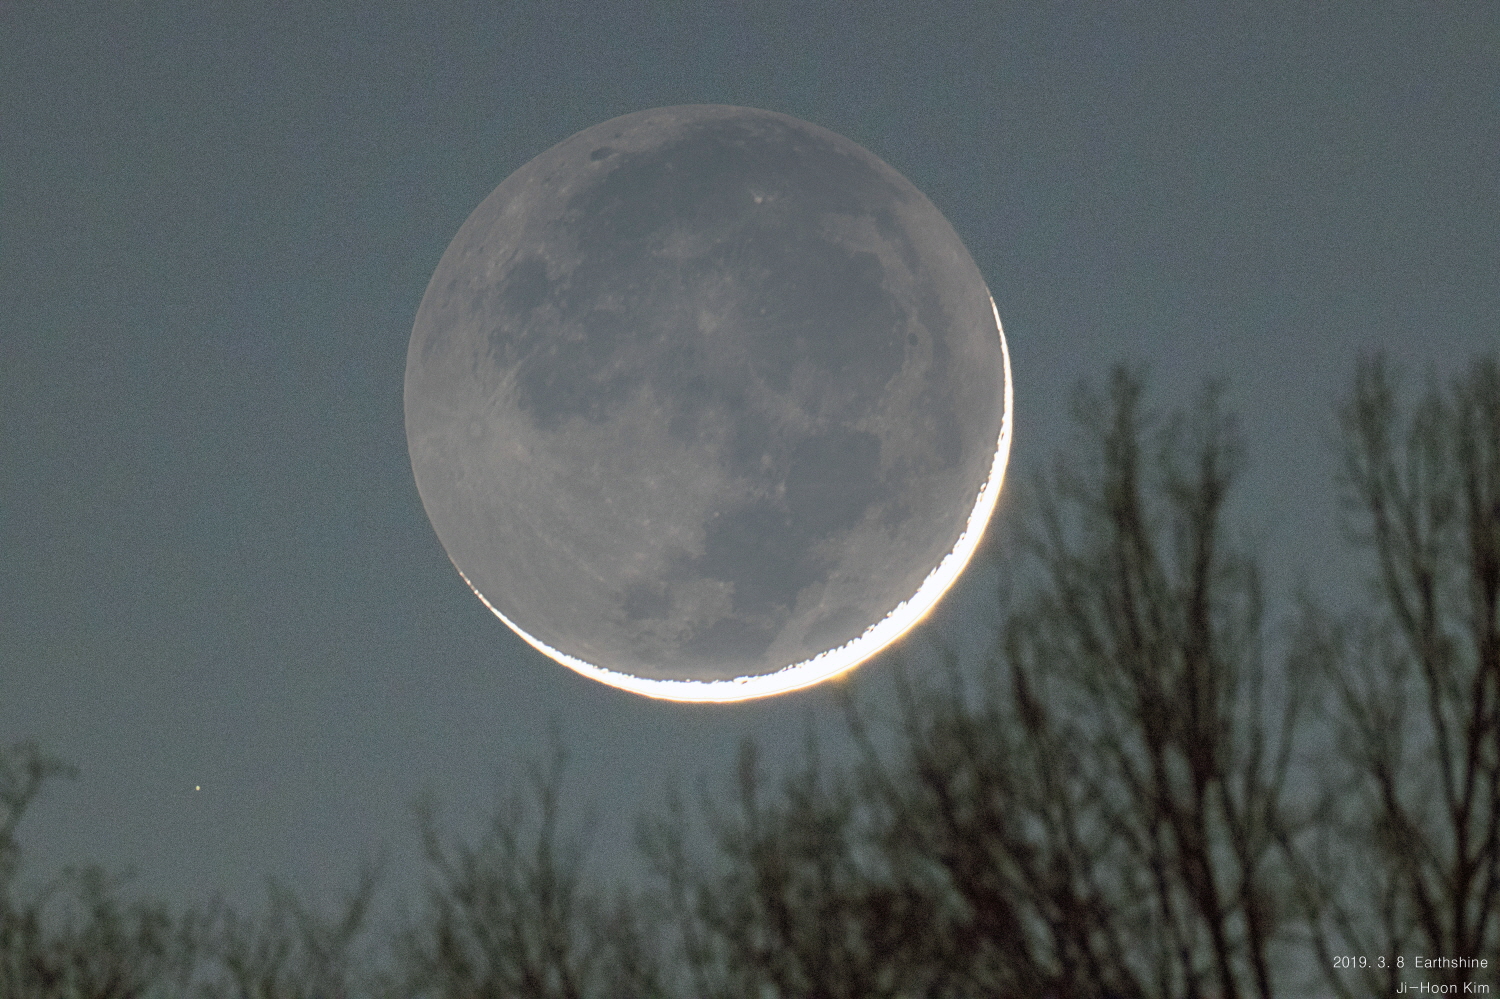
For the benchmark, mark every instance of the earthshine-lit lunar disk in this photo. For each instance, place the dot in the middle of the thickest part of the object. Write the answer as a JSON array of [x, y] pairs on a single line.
[[708, 403]]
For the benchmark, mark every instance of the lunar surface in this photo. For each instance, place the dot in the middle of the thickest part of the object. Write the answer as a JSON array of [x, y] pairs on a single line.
[[708, 403]]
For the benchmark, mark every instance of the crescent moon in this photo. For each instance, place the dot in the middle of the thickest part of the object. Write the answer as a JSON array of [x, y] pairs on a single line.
[[704, 404]]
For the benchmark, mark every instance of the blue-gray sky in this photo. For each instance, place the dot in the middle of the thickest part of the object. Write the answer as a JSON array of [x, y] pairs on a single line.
[[217, 222]]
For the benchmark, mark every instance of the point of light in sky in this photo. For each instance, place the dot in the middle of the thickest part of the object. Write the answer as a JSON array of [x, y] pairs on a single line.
[[833, 662]]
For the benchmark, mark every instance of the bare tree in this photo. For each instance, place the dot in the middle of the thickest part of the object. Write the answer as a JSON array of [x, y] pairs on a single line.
[[512, 916], [24, 770], [78, 937], [287, 952], [979, 818], [74, 937], [1107, 818], [1410, 858], [795, 898]]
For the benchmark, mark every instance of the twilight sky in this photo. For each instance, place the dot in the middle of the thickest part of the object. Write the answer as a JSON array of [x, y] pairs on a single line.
[[217, 222]]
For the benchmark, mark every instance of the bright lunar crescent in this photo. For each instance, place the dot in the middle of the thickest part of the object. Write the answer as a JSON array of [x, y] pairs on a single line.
[[708, 403]]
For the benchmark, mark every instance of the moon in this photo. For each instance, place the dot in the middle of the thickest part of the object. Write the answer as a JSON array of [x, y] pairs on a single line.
[[708, 403]]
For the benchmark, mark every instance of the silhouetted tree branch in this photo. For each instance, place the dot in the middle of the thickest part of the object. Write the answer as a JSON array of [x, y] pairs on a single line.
[[73, 938], [1109, 818], [1411, 860], [511, 915], [288, 952], [796, 900]]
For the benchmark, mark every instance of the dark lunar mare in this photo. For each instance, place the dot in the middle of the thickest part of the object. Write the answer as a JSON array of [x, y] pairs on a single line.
[[803, 323]]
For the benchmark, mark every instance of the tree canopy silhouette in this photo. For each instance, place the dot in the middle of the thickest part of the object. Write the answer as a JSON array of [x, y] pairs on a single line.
[[1136, 793]]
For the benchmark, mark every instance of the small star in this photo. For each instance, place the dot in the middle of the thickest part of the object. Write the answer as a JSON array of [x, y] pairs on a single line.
[[197, 787]]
